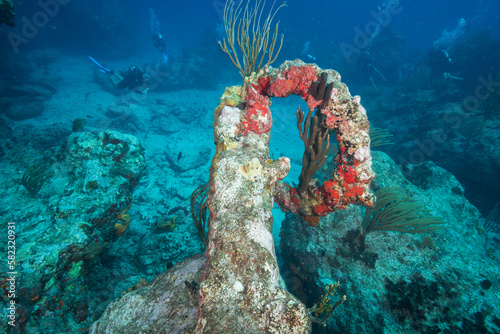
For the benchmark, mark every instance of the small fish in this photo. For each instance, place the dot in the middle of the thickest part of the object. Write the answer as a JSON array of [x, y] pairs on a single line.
[[19, 3], [54, 27], [179, 156]]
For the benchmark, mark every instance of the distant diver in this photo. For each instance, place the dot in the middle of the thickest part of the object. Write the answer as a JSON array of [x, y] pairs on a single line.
[[160, 43], [134, 78]]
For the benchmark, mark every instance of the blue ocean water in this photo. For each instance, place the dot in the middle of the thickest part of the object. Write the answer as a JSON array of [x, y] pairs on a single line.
[[100, 156]]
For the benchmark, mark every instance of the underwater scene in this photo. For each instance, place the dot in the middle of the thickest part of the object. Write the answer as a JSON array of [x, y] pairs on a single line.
[[250, 166]]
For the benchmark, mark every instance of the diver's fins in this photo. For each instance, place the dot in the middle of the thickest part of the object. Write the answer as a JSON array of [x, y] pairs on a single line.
[[115, 79], [104, 69]]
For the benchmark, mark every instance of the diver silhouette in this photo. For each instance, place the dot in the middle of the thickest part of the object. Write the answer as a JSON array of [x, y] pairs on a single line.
[[134, 78], [160, 43]]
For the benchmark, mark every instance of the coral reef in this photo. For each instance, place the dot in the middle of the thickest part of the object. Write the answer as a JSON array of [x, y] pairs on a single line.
[[55, 279], [35, 177], [124, 218], [241, 276], [406, 280], [169, 240], [343, 115], [164, 225], [413, 283]]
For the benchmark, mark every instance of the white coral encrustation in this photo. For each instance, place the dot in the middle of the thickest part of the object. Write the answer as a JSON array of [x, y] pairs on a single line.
[[252, 168], [228, 122]]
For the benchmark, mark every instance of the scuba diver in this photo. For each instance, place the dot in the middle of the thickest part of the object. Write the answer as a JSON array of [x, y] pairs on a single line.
[[160, 43], [134, 78]]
